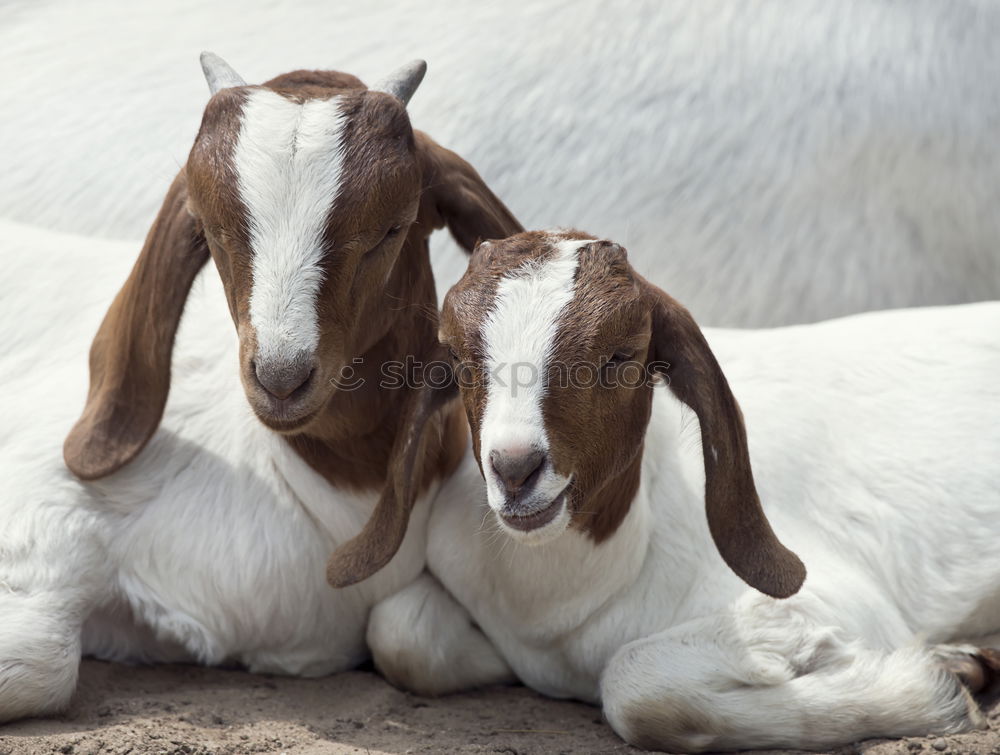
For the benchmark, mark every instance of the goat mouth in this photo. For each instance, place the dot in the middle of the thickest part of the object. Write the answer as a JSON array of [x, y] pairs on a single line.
[[535, 520], [284, 420]]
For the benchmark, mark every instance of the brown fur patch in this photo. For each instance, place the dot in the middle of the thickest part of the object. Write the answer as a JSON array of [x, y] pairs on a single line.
[[426, 442]]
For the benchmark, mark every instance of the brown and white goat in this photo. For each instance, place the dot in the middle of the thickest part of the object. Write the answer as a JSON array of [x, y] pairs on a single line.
[[195, 528], [587, 569]]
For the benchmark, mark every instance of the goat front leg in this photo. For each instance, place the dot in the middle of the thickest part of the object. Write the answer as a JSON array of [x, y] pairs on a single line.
[[39, 653], [52, 569], [422, 640], [766, 676]]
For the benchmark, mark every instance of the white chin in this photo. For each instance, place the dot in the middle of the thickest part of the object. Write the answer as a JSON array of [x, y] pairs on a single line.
[[538, 535]]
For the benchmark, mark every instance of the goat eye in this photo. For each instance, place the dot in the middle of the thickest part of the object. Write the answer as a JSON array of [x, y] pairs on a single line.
[[389, 234], [455, 358], [621, 356]]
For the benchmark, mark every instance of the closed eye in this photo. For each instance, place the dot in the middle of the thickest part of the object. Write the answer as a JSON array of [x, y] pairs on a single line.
[[621, 356], [390, 234]]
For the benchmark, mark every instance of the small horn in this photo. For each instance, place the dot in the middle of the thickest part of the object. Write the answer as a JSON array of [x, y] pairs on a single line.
[[218, 73], [403, 82]]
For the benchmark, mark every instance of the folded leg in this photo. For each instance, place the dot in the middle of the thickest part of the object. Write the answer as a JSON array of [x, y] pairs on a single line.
[[424, 641]]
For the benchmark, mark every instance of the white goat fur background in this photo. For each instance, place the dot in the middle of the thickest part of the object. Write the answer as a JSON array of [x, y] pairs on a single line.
[[765, 162]]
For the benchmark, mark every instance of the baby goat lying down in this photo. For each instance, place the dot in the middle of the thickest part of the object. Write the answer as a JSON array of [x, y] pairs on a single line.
[[586, 569], [197, 537]]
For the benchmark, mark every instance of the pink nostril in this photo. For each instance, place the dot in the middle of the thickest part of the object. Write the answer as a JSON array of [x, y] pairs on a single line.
[[518, 469], [282, 379]]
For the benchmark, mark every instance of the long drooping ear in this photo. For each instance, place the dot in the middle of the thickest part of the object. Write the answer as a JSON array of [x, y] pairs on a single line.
[[455, 195], [130, 355], [377, 543], [735, 518]]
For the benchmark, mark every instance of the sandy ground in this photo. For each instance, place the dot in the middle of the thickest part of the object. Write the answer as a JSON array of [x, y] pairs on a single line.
[[188, 710]]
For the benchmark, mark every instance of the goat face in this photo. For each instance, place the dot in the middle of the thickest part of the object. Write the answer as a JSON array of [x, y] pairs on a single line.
[[555, 342], [305, 204], [546, 331]]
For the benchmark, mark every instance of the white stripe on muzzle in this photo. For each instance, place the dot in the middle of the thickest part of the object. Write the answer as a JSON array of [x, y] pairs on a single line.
[[289, 161], [518, 335]]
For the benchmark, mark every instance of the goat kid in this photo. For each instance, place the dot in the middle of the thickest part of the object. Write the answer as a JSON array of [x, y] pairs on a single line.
[[199, 541], [586, 570]]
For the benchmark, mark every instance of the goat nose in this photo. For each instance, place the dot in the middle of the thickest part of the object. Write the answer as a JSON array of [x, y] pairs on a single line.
[[280, 378], [517, 468]]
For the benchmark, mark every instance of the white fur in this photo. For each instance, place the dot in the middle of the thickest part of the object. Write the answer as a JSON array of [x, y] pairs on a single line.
[[444, 666], [874, 441], [288, 160], [518, 336], [812, 157], [209, 547]]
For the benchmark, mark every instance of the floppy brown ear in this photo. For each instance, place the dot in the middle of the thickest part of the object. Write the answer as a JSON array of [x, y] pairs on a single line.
[[736, 520], [130, 355], [455, 195], [373, 548]]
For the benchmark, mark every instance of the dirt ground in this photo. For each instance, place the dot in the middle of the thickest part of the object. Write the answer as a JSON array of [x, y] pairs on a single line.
[[188, 710]]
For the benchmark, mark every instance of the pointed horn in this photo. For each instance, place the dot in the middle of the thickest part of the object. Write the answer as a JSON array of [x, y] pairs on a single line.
[[218, 73], [403, 82]]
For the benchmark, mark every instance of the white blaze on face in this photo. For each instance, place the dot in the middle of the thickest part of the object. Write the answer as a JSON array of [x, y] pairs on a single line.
[[518, 335], [288, 159]]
